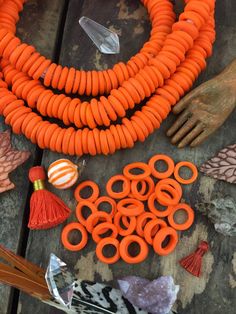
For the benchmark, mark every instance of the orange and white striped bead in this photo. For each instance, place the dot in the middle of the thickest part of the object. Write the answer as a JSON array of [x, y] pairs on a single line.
[[62, 173]]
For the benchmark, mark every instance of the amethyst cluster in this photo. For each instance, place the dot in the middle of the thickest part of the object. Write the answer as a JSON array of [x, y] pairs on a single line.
[[156, 297]]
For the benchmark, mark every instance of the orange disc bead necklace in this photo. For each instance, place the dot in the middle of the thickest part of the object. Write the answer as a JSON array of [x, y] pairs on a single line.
[[161, 73]]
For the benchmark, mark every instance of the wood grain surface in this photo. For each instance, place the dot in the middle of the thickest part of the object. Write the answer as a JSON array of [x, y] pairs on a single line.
[[38, 26]]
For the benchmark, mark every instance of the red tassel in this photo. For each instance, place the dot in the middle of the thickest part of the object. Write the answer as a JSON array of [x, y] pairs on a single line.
[[46, 209], [193, 262]]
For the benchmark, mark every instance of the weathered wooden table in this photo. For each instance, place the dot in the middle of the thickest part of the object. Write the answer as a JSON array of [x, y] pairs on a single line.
[[52, 26]]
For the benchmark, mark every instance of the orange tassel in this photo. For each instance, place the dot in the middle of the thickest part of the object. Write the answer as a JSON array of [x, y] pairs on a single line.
[[46, 209], [193, 262]]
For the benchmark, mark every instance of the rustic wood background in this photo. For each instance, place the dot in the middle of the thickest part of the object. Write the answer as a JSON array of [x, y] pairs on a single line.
[[52, 26]]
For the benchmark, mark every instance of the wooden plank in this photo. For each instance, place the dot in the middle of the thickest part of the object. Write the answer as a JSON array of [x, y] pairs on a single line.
[[38, 26], [213, 292]]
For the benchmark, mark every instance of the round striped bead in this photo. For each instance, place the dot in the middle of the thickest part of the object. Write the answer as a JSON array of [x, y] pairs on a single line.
[[62, 173]]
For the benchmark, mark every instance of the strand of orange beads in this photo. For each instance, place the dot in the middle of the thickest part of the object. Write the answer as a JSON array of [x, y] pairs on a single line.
[[134, 214], [161, 73]]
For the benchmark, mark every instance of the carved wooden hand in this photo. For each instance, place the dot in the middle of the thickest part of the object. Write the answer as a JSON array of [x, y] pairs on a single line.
[[204, 109]]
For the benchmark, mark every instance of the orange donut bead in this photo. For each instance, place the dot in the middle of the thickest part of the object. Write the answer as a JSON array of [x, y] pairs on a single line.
[[84, 139], [99, 250], [150, 229], [160, 237], [138, 194], [167, 160], [125, 187], [91, 144], [130, 226], [79, 209], [105, 199], [65, 234], [87, 184], [137, 165], [100, 229], [95, 217], [130, 207], [189, 165], [97, 141], [111, 142], [164, 198], [78, 143], [190, 217], [142, 221], [159, 213], [124, 253]]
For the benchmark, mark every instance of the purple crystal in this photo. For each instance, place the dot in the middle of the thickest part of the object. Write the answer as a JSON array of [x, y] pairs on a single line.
[[156, 297]]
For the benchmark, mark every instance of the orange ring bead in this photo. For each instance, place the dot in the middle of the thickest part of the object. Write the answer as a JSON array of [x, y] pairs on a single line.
[[189, 165], [101, 229], [65, 234], [160, 237], [124, 246], [137, 165], [159, 213], [151, 227], [108, 200], [87, 184], [172, 183], [142, 221], [79, 208], [138, 194], [190, 217], [130, 207], [94, 218], [164, 198], [125, 187], [125, 220], [99, 250], [143, 187], [131, 225], [164, 174]]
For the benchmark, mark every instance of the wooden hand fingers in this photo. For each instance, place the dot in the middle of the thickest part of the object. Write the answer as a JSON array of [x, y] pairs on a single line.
[[187, 129]]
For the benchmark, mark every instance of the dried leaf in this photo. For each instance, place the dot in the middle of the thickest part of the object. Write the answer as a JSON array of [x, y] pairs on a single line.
[[10, 159], [222, 166]]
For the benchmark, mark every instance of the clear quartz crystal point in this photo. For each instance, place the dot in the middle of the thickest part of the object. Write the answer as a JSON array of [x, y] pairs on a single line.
[[106, 41], [60, 281]]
